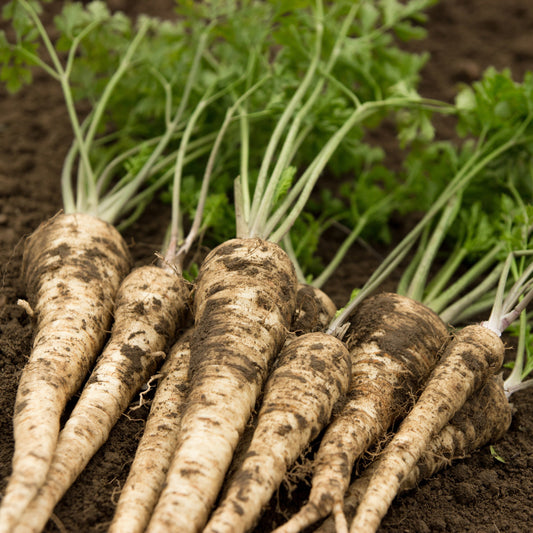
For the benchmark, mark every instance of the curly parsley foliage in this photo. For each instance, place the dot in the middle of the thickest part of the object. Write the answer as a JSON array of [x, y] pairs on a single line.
[[17, 60], [132, 78]]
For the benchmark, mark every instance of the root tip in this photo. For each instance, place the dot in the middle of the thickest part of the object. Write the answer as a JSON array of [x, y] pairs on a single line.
[[26, 306], [341, 524], [305, 517]]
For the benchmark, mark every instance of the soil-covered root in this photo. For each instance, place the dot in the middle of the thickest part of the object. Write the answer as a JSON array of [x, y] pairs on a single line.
[[154, 452], [245, 297], [314, 310], [311, 374], [72, 266], [471, 357], [151, 304], [484, 418], [394, 343]]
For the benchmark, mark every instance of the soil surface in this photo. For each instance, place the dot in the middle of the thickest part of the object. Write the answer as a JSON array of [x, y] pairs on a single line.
[[479, 494]]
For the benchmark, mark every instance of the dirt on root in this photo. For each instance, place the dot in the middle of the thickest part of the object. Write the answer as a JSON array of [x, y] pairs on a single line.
[[489, 492]]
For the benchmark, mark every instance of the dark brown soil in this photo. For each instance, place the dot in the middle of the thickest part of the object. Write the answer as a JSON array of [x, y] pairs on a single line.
[[480, 494]]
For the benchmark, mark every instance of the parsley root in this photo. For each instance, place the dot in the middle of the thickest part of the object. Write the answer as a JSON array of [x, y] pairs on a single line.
[[151, 303], [145, 481], [484, 418], [244, 301], [470, 358], [311, 374], [154, 452], [394, 343], [73, 265]]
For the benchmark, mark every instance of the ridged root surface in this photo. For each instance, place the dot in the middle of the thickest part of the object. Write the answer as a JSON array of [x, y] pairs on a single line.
[[244, 302], [470, 358], [311, 375], [151, 303], [73, 265], [394, 343], [484, 418]]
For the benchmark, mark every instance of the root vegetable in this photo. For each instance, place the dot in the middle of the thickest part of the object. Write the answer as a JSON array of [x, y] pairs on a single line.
[[151, 303], [150, 465], [138, 497], [244, 300], [484, 418], [470, 358], [394, 343], [314, 310], [73, 265], [312, 373]]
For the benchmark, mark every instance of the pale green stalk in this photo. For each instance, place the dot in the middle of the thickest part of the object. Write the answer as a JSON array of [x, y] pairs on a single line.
[[291, 207], [69, 202], [287, 115], [418, 283], [299, 193], [193, 232], [244, 152], [241, 224], [288, 148], [457, 184], [201, 145], [112, 205], [175, 223], [521, 285], [326, 273], [458, 308], [475, 308], [513, 314], [106, 175], [445, 273], [243, 186], [167, 88], [445, 297], [97, 114], [142, 198], [515, 381], [59, 74], [341, 252], [410, 270], [506, 309]]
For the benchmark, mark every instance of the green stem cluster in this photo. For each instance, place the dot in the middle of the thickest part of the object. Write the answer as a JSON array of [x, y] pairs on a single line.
[[480, 159]]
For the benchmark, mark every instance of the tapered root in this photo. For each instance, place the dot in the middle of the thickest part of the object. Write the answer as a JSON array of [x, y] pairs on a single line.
[[244, 301], [394, 343], [312, 373], [72, 265], [150, 465], [484, 418], [150, 305], [470, 358]]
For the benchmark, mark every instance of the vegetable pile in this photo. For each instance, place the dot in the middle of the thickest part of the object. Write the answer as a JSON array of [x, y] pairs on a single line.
[[234, 114]]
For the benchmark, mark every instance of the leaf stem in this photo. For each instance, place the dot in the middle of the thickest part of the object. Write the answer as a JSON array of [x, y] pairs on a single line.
[[287, 114], [439, 302], [451, 314], [418, 283], [464, 175], [193, 232], [287, 151]]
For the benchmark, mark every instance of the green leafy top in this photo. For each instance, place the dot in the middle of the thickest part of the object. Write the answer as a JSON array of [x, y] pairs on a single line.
[[136, 99], [488, 180], [352, 76]]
